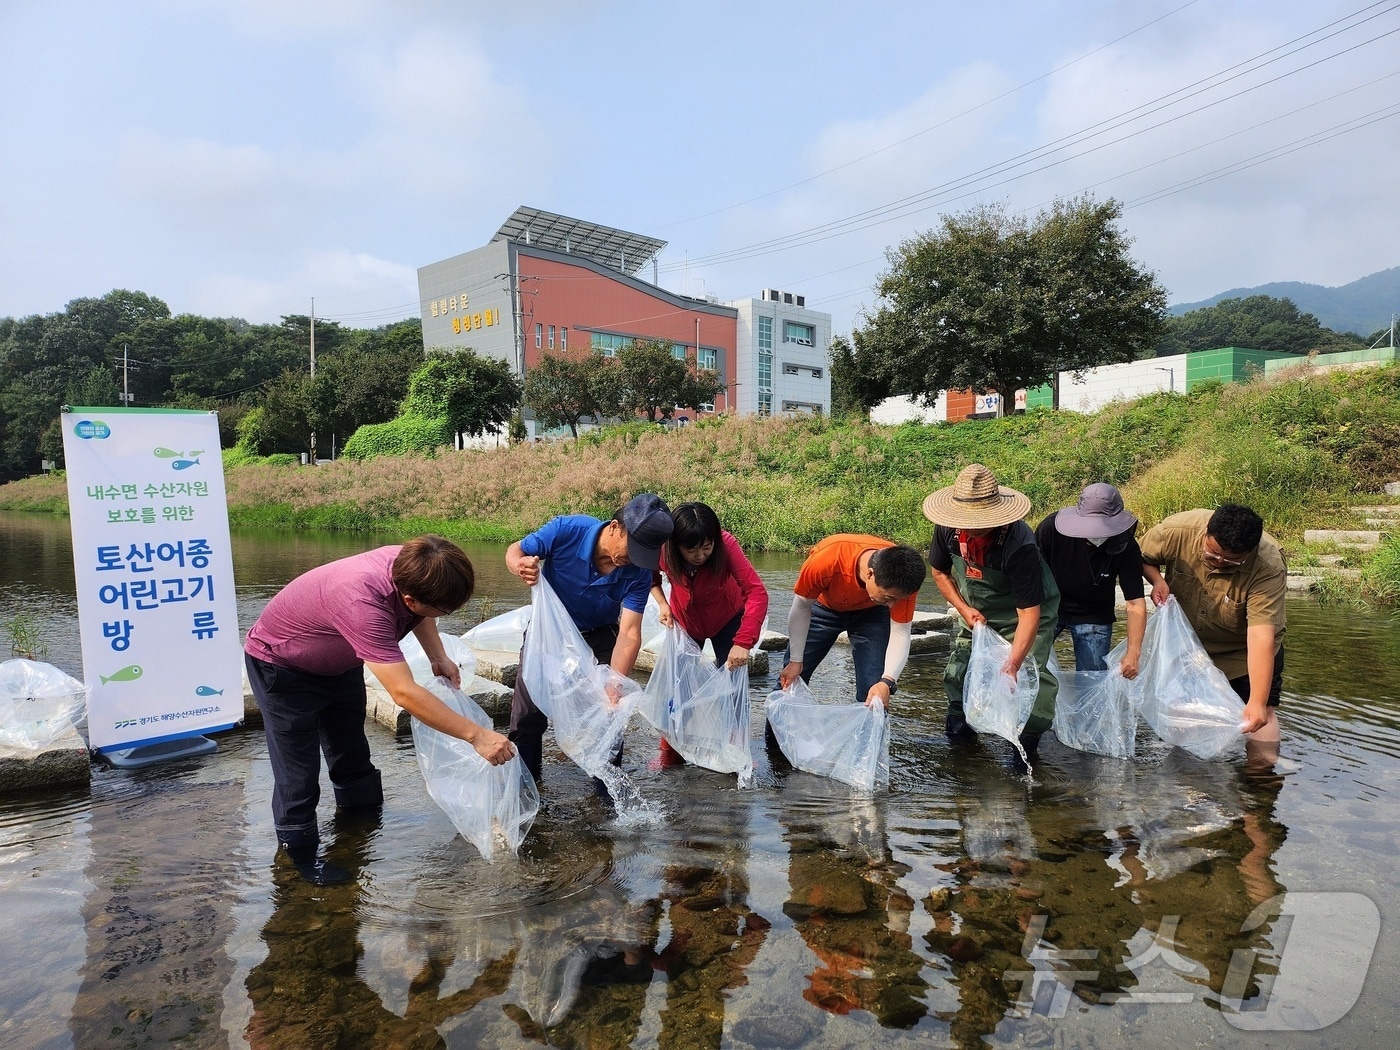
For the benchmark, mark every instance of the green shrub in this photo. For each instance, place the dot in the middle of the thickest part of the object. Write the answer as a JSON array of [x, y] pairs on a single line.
[[405, 434]]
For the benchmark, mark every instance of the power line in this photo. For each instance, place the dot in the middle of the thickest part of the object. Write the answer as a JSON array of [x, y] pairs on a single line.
[[913, 203]]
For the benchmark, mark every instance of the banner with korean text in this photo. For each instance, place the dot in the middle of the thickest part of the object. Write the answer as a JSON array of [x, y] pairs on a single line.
[[151, 554]]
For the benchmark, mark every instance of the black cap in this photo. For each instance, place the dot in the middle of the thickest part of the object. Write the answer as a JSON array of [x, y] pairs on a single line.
[[647, 520]]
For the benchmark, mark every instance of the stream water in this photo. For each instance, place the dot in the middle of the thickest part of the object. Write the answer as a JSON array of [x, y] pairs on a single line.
[[1107, 903]]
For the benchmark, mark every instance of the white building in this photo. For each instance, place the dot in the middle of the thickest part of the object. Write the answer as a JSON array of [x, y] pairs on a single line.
[[781, 355]]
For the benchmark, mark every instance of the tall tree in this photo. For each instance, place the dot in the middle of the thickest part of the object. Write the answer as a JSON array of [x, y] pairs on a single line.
[[473, 393], [656, 382], [566, 388], [991, 301]]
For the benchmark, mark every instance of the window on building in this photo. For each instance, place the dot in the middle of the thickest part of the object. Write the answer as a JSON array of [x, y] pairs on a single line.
[[539, 336], [678, 351], [799, 333], [789, 370], [551, 337], [765, 333], [707, 358], [608, 345], [707, 406], [765, 404], [563, 339]]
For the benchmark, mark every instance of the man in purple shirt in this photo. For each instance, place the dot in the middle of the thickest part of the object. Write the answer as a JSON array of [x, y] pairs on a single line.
[[306, 656]]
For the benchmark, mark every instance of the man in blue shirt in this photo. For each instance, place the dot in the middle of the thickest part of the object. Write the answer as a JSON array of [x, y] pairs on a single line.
[[602, 573]]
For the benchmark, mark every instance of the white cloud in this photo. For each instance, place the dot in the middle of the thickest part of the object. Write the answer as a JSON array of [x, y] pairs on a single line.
[[353, 287], [445, 124]]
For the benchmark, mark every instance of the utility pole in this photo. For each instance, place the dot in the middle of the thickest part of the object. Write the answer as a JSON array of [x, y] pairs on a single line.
[[126, 390], [313, 370]]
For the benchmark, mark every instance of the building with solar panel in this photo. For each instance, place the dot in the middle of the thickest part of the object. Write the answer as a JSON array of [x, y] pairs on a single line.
[[548, 283]]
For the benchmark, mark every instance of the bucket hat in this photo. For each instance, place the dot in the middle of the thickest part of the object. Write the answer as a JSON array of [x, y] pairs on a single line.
[[1098, 516]]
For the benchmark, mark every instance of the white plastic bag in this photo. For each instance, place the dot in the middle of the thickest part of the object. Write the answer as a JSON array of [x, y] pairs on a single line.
[[653, 634], [501, 634], [421, 667], [1187, 700], [588, 703], [847, 742], [992, 701], [492, 806], [1097, 711], [38, 702], [702, 710]]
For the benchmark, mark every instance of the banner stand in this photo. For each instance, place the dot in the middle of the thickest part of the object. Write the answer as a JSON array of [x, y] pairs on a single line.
[[165, 751], [153, 567]]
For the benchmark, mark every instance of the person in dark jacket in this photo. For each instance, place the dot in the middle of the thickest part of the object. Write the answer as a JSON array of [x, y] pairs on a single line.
[[1092, 552]]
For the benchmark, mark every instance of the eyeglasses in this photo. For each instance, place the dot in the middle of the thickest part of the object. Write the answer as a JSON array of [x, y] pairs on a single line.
[[1214, 554]]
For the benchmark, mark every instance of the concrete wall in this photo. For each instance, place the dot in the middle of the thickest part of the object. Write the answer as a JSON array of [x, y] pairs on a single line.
[[1232, 364], [1380, 355], [901, 409], [1126, 382]]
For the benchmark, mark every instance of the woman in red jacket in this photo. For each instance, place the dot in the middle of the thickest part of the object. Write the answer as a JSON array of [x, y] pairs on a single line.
[[716, 595]]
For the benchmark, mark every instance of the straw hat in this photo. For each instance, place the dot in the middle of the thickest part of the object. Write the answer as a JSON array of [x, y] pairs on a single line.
[[975, 501]]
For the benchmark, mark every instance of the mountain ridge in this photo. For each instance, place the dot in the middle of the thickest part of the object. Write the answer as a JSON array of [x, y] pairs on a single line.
[[1363, 306]]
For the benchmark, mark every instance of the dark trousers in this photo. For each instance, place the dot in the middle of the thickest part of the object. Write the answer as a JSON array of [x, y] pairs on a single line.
[[528, 722], [305, 715], [723, 640], [1241, 684]]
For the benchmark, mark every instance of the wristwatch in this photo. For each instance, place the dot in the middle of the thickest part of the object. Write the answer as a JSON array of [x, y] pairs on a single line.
[[891, 683]]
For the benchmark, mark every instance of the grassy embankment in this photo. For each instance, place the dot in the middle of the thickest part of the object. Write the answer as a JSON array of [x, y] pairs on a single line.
[[1300, 448]]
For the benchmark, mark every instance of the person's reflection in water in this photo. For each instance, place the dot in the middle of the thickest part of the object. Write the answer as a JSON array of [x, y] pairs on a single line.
[[1031, 904], [1199, 911], [714, 933], [308, 992], [583, 961], [846, 902]]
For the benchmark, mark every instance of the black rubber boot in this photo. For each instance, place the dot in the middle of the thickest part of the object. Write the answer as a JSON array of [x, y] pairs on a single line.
[[367, 793], [531, 752], [301, 847], [959, 732]]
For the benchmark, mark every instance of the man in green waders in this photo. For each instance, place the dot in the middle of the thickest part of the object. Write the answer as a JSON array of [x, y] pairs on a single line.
[[986, 564]]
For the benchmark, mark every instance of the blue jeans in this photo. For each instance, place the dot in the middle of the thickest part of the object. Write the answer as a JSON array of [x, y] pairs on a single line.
[[869, 634], [1092, 641]]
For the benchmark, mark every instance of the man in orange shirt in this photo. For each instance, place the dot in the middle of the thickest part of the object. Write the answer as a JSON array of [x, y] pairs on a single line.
[[862, 585]]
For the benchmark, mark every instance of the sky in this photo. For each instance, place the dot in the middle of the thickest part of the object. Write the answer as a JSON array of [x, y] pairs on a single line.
[[242, 158]]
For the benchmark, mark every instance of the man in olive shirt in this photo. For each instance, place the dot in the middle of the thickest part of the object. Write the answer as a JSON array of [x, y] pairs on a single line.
[[1230, 577]]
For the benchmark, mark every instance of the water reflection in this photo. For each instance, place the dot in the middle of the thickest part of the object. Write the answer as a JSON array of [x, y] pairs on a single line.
[[1101, 905], [846, 902], [309, 990]]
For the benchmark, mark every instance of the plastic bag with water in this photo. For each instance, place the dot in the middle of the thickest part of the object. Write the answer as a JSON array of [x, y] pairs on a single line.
[[1097, 711], [844, 741], [421, 667], [492, 806], [702, 710], [653, 634], [588, 703], [38, 703], [992, 701], [1187, 700], [504, 633]]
